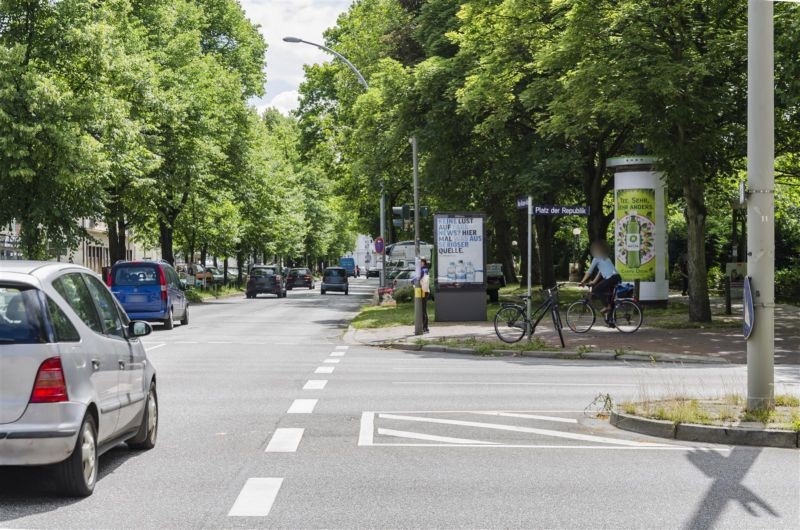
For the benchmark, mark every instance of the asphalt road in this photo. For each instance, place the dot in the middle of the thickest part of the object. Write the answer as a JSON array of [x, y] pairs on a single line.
[[250, 436]]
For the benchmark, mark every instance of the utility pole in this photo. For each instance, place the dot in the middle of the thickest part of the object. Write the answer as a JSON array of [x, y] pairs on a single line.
[[529, 331], [382, 272], [761, 202], [417, 289]]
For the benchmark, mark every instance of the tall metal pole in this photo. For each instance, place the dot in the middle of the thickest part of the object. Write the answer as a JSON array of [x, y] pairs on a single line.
[[530, 257], [761, 202], [383, 237], [417, 290]]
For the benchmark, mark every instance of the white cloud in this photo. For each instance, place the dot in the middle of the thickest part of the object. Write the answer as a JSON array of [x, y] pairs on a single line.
[[306, 19], [284, 102]]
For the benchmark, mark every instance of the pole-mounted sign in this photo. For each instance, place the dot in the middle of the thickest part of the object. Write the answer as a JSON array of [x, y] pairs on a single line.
[[749, 320]]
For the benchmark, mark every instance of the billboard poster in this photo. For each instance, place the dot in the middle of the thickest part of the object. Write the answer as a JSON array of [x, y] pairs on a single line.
[[460, 250], [635, 247]]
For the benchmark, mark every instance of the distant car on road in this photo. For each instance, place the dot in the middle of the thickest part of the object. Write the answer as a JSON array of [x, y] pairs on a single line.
[[299, 278], [75, 380], [373, 272], [335, 279], [265, 279], [151, 291]]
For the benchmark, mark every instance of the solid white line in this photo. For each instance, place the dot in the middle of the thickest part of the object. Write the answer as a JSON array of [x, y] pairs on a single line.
[[324, 370], [332, 361], [315, 384], [302, 406], [284, 441], [342, 347], [367, 428], [219, 342], [151, 348], [521, 446], [514, 428], [256, 497], [431, 437], [509, 383], [527, 416], [337, 354]]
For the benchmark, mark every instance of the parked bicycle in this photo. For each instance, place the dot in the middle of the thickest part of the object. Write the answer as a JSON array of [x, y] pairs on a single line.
[[625, 313], [512, 322]]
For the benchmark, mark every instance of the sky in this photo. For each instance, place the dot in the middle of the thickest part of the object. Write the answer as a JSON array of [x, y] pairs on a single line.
[[306, 19]]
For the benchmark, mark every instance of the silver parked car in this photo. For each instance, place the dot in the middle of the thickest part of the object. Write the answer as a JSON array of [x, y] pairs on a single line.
[[74, 376]]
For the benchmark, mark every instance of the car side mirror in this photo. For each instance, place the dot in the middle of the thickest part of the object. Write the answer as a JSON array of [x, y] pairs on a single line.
[[137, 328]]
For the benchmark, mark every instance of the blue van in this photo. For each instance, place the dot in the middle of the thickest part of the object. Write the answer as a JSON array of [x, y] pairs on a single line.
[[349, 265], [149, 290]]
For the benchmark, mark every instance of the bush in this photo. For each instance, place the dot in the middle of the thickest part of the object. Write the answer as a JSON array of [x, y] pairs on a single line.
[[787, 286], [715, 277], [404, 294]]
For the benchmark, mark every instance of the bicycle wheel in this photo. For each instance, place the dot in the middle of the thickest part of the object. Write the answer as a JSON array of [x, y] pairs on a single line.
[[509, 324], [627, 316], [557, 324], [581, 316]]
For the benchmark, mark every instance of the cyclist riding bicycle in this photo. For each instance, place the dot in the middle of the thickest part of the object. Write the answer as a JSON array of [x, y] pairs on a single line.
[[607, 278]]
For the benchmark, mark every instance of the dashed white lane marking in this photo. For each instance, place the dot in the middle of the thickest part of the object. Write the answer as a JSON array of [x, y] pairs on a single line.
[[342, 347], [332, 361], [186, 342], [284, 441], [337, 354], [431, 437], [324, 370], [515, 428], [365, 433], [302, 406], [256, 497], [219, 342], [527, 416], [155, 346], [315, 384]]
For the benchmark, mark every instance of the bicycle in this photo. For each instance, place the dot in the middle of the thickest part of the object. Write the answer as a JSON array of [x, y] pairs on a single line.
[[625, 314], [512, 322]]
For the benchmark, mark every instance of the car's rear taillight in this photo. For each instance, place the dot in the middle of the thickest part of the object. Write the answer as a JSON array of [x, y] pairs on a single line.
[[50, 385], [162, 279], [306, 277]]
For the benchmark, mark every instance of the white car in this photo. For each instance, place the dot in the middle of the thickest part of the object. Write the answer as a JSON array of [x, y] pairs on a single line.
[[74, 376]]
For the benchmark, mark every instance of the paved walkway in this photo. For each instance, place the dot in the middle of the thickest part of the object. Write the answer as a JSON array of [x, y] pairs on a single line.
[[725, 343]]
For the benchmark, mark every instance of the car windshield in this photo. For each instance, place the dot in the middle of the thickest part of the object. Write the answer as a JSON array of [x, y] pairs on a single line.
[[262, 272], [135, 274], [300, 271], [335, 273], [21, 318]]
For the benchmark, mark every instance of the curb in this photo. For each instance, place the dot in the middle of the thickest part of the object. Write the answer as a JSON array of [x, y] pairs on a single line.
[[550, 354], [706, 433]]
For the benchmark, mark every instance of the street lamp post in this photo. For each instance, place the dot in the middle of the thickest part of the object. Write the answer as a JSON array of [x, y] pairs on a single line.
[[296, 40], [761, 202]]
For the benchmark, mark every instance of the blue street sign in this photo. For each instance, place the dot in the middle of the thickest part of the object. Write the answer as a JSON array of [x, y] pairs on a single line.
[[379, 245], [522, 203], [554, 209], [749, 310]]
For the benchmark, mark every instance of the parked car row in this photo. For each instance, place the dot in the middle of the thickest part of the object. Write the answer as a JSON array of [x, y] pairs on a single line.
[[75, 379]]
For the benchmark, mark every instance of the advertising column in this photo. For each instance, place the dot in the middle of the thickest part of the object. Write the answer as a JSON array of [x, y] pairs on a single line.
[[640, 226], [460, 267]]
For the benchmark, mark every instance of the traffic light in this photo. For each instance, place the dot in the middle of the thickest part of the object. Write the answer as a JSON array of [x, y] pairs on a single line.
[[401, 215]]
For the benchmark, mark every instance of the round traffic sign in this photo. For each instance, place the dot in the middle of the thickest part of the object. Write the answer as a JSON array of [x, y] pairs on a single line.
[[379, 245]]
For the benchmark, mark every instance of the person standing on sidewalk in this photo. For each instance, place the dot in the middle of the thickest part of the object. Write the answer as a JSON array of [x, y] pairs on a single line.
[[425, 285]]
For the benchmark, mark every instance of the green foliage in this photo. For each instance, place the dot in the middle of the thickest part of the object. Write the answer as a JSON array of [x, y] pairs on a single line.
[[404, 294], [787, 285]]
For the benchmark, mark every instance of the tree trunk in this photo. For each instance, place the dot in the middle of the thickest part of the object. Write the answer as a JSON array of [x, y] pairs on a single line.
[[203, 254], [694, 193], [165, 236], [502, 242], [239, 267], [225, 272], [545, 228]]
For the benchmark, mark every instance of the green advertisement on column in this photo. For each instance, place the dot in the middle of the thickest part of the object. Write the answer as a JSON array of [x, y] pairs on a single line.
[[635, 239]]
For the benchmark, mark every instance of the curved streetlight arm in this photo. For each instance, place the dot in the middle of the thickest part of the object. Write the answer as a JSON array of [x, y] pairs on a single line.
[[334, 53]]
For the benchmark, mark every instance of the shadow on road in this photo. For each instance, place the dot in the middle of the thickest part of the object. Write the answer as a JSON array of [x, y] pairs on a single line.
[[727, 473], [28, 491]]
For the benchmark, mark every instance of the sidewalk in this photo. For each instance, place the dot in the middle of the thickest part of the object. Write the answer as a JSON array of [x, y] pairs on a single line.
[[724, 344]]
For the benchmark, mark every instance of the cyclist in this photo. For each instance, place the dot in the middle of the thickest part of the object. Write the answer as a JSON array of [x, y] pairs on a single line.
[[607, 277]]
